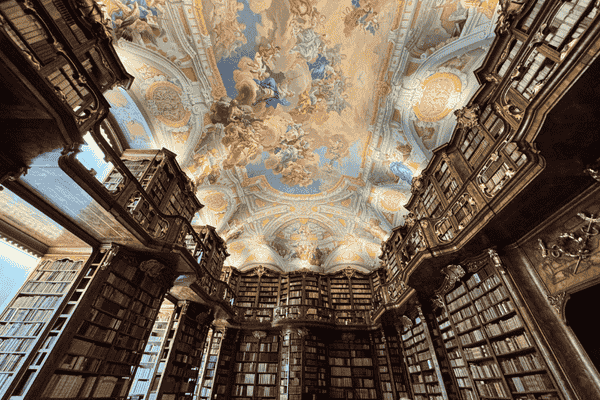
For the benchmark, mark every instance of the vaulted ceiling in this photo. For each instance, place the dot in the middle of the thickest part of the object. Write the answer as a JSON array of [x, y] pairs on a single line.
[[302, 122]]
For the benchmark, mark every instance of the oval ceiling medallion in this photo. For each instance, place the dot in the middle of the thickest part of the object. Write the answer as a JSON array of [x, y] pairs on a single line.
[[439, 95], [164, 100]]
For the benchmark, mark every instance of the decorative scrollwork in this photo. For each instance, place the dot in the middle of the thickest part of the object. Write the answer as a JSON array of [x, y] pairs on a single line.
[[259, 271], [348, 272], [558, 302], [437, 301], [453, 273], [496, 260], [468, 117], [571, 244], [112, 252], [259, 334], [406, 322]]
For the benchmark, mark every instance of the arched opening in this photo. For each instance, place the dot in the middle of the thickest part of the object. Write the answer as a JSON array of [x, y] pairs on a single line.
[[583, 322]]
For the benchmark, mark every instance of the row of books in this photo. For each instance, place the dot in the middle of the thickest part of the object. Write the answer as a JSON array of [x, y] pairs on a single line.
[[54, 276], [511, 344], [60, 265], [487, 370], [458, 303], [497, 310], [523, 363], [491, 298], [27, 315], [529, 383], [415, 339], [462, 314], [9, 362], [468, 324], [21, 329], [37, 302], [491, 282], [447, 334], [14, 345], [491, 389], [45, 287], [471, 337]]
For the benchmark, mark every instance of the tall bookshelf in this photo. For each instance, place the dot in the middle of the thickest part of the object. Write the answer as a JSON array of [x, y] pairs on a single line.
[[216, 382], [352, 374], [181, 365], [290, 377], [341, 299], [269, 291], [247, 291], [27, 317], [151, 357], [256, 367], [210, 359], [105, 330], [389, 365], [421, 361], [487, 332], [315, 366]]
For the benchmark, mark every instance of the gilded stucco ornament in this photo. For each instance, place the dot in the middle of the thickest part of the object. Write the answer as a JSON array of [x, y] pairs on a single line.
[[468, 117]]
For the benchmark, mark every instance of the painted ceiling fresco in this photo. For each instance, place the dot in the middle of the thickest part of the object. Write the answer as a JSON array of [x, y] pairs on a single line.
[[302, 122]]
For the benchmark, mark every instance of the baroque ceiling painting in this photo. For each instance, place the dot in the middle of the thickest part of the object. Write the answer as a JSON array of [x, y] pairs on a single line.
[[301, 122]]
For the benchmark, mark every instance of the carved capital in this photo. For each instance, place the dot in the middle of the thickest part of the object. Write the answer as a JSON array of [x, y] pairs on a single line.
[[558, 302], [468, 117], [453, 274], [594, 173], [112, 252], [259, 334], [496, 260], [406, 322], [348, 272], [437, 301], [260, 271]]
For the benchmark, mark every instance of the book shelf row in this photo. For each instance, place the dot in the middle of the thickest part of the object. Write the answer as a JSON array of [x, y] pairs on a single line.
[[490, 348]]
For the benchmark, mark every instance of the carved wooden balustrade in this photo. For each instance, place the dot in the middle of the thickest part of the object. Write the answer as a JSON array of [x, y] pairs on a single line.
[[541, 48], [65, 49], [317, 314], [204, 250]]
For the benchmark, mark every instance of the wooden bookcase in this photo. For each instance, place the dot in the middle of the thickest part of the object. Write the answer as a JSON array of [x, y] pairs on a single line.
[[154, 347], [422, 363], [352, 374], [221, 384], [290, 377], [489, 343], [247, 292], [269, 291], [256, 367], [316, 368], [97, 340], [389, 365], [25, 321], [180, 369]]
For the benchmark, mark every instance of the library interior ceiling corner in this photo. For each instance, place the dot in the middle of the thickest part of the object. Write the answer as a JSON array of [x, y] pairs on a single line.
[[301, 122]]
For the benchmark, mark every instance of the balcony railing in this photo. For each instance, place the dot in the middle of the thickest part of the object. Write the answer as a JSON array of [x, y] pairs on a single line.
[[160, 230], [70, 49], [540, 49]]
